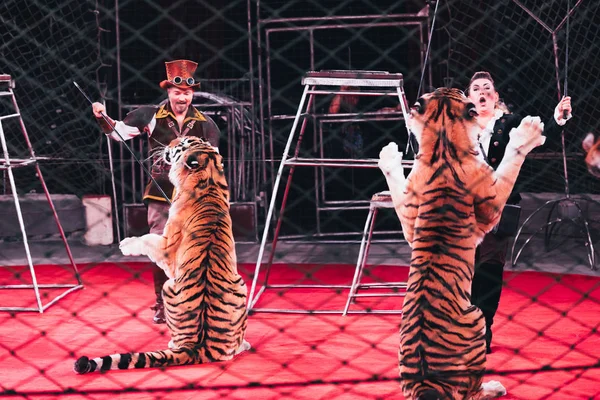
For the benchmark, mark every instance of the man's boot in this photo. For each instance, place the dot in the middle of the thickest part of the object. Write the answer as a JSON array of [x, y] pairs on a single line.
[[159, 280], [159, 311]]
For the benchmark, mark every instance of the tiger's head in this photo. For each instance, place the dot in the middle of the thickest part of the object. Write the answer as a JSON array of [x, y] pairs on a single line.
[[591, 146], [444, 122], [194, 164]]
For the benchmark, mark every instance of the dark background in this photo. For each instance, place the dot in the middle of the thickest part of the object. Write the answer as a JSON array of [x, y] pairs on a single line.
[[46, 45]]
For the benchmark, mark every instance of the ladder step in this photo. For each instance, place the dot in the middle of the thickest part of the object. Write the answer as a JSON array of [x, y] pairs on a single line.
[[10, 116], [16, 163], [383, 285], [6, 93], [379, 295]]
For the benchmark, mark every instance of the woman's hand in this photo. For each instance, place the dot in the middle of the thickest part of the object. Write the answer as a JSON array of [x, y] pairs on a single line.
[[562, 112]]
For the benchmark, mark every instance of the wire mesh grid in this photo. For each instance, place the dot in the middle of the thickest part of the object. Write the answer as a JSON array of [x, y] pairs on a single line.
[[252, 57]]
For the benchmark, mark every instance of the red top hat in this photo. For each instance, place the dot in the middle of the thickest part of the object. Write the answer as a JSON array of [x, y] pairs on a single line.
[[180, 74]]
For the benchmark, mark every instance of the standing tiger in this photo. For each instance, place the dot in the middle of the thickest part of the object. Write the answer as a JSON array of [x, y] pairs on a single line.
[[450, 199], [205, 297]]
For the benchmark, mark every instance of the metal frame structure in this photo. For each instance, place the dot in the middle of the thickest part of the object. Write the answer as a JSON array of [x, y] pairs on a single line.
[[8, 164], [385, 84], [568, 207], [322, 204], [379, 200], [272, 26]]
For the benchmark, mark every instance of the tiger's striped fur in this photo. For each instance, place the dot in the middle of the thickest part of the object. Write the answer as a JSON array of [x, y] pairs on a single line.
[[450, 199], [205, 297]]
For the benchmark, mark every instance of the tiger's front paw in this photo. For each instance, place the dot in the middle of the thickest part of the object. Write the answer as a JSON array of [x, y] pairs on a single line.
[[132, 246], [527, 136], [491, 390], [390, 159]]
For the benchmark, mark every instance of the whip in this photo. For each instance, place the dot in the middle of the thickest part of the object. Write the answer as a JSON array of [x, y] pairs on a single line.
[[109, 122]]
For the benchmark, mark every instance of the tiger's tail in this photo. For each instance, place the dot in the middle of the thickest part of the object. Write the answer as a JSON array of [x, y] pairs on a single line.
[[161, 358], [184, 355]]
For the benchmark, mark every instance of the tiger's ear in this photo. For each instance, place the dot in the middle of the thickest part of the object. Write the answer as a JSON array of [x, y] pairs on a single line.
[[588, 142], [473, 112], [192, 161]]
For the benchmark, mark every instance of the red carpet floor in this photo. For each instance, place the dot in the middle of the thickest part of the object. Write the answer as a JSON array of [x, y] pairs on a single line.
[[545, 340]]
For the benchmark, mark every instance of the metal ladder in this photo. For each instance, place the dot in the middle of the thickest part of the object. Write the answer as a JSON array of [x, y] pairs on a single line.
[[8, 164], [385, 84]]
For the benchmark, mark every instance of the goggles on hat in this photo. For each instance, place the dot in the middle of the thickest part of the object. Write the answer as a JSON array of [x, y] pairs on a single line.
[[179, 80]]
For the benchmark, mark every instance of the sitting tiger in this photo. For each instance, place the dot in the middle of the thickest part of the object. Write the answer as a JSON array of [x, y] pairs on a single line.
[[450, 199], [205, 297]]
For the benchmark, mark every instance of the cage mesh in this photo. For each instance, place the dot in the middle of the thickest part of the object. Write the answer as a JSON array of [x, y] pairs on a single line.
[[252, 56]]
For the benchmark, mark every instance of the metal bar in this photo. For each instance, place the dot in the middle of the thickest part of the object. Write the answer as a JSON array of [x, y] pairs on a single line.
[[359, 261], [342, 18], [359, 117], [41, 286], [362, 117], [334, 234], [10, 116], [363, 259], [343, 26], [365, 202], [45, 307], [349, 93], [57, 220], [588, 239], [321, 169], [274, 196], [379, 295], [316, 142], [57, 298], [270, 105], [305, 286], [13, 187], [532, 15], [347, 241], [284, 311], [260, 101], [290, 175], [330, 162], [19, 164], [114, 188], [567, 16], [383, 285], [252, 302], [340, 208]]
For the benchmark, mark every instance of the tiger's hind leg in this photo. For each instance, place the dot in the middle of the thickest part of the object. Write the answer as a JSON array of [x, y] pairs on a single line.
[[490, 390], [243, 347]]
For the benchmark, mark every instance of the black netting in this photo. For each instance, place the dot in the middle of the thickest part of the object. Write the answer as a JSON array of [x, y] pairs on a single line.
[[252, 57]]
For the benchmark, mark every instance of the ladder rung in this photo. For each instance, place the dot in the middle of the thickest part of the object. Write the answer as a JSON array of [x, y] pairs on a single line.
[[6, 93], [16, 163], [383, 285], [379, 295], [10, 116]]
